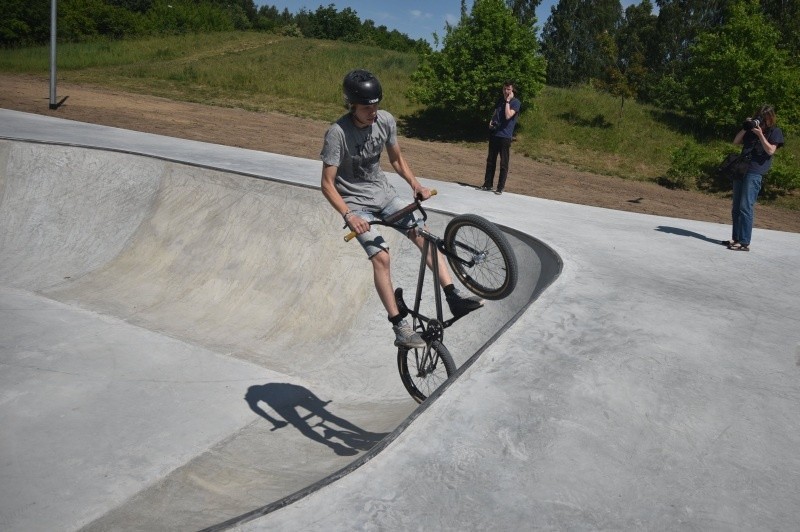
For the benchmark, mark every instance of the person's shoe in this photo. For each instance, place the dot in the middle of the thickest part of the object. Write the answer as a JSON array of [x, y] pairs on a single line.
[[406, 337], [484, 187], [460, 305], [498, 191]]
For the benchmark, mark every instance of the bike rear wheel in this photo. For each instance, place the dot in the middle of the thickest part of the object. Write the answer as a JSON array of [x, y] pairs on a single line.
[[485, 261], [423, 370]]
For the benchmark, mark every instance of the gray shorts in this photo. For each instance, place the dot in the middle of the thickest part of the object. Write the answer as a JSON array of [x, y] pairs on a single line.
[[372, 241]]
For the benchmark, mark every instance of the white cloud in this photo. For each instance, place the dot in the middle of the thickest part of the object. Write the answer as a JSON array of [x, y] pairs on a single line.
[[416, 13]]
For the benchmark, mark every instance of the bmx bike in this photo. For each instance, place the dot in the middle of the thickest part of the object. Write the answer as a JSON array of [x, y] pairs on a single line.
[[481, 259]]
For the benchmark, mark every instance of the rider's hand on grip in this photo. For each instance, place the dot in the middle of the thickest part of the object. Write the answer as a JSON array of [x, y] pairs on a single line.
[[419, 197], [352, 234]]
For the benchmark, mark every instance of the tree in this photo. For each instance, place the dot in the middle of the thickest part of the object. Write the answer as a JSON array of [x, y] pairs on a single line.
[[624, 73], [573, 39], [328, 23], [559, 36], [678, 24], [785, 15], [737, 67], [635, 41], [616, 79], [524, 10], [24, 22], [485, 48]]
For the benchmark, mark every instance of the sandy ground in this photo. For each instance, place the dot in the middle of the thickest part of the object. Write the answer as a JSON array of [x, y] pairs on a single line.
[[301, 137]]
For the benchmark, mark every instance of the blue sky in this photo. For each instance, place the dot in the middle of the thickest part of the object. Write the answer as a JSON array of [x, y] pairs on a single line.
[[417, 19]]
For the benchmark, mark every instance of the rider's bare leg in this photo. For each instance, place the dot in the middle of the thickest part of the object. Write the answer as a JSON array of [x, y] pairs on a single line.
[[381, 272], [444, 273], [458, 304]]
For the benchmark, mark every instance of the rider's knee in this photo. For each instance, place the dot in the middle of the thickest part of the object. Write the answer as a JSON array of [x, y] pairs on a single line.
[[381, 259]]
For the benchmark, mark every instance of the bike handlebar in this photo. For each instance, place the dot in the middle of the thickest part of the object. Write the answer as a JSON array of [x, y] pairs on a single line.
[[395, 216]]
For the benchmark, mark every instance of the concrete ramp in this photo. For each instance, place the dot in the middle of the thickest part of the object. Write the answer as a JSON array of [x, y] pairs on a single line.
[[652, 386], [182, 345]]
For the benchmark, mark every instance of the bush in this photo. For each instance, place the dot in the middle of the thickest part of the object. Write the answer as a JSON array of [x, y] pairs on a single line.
[[184, 16], [783, 177], [86, 20], [478, 54], [687, 164]]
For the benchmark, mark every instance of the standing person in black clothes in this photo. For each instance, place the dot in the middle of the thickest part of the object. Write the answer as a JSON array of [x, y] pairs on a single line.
[[501, 128]]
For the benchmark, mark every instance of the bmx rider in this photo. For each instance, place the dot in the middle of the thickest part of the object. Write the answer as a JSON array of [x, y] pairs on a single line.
[[355, 185]]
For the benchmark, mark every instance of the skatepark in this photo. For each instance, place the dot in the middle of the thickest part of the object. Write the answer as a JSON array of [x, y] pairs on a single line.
[[187, 343]]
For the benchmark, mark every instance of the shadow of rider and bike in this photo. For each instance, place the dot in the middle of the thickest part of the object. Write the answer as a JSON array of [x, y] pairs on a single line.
[[289, 401]]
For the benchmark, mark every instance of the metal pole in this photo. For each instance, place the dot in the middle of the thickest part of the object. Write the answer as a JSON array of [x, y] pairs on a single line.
[[53, 104]]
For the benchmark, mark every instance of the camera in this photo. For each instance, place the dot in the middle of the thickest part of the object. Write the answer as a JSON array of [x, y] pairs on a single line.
[[750, 123]]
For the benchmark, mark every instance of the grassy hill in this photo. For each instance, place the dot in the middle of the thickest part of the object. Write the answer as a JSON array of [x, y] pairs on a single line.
[[263, 72]]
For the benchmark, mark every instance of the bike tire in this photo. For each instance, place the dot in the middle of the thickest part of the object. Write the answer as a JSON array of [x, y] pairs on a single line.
[[422, 375], [473, 238]]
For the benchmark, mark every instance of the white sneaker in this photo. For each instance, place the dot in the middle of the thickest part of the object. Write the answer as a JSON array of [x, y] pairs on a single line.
[[406, 337]]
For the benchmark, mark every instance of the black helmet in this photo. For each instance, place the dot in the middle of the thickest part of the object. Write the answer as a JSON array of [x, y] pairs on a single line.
[[360, 86]]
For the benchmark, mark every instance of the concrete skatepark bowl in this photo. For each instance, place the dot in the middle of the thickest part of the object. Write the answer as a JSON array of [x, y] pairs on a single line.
[[122, 273], [174, 355]]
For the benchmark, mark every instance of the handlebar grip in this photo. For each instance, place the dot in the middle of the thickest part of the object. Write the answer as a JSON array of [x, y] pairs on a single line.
[[352, 234]]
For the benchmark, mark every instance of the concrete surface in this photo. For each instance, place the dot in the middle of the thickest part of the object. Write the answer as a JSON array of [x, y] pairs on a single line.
[[118, 270], [652, 385]]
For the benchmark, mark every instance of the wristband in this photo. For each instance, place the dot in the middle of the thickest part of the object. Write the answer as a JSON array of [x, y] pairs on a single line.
[[347, 215]]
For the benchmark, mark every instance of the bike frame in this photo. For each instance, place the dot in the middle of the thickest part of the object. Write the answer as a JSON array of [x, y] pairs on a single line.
[[433, 328], [476, 243]]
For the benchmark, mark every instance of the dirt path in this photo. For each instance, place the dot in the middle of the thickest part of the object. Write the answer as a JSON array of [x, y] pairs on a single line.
[[300, 137]]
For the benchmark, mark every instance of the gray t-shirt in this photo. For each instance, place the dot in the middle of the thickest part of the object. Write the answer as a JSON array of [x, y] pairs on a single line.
[[356, 153]]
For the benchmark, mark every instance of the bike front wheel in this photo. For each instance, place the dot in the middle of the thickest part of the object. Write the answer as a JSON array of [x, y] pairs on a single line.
[[423, 370], [480, 256]]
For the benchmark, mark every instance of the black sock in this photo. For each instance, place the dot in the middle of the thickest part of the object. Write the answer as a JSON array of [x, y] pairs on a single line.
[[449, 289], [397, 319]]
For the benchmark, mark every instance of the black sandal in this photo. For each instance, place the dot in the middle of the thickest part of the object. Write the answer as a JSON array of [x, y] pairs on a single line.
[[728, 243], [739, 247]]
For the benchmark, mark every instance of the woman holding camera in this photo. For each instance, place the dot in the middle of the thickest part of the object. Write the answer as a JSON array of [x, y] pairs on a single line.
[[759, 138]]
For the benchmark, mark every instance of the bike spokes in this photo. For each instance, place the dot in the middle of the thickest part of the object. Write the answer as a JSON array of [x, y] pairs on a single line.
[[480, 256], [423, 370]]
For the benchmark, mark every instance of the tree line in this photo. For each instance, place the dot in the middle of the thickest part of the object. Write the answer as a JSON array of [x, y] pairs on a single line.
[[714, 60], [704, 65], [27, 22]]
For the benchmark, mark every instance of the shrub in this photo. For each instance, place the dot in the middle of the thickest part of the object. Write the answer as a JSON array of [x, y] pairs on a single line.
[[783, 177], [687, 164]]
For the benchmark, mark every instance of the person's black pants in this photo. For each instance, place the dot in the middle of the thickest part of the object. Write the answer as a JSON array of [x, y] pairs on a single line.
[[497, 146]]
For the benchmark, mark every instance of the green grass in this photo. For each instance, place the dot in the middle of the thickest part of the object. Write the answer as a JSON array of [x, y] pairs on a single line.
[[596, 132], [582, 127], [254, 71]]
